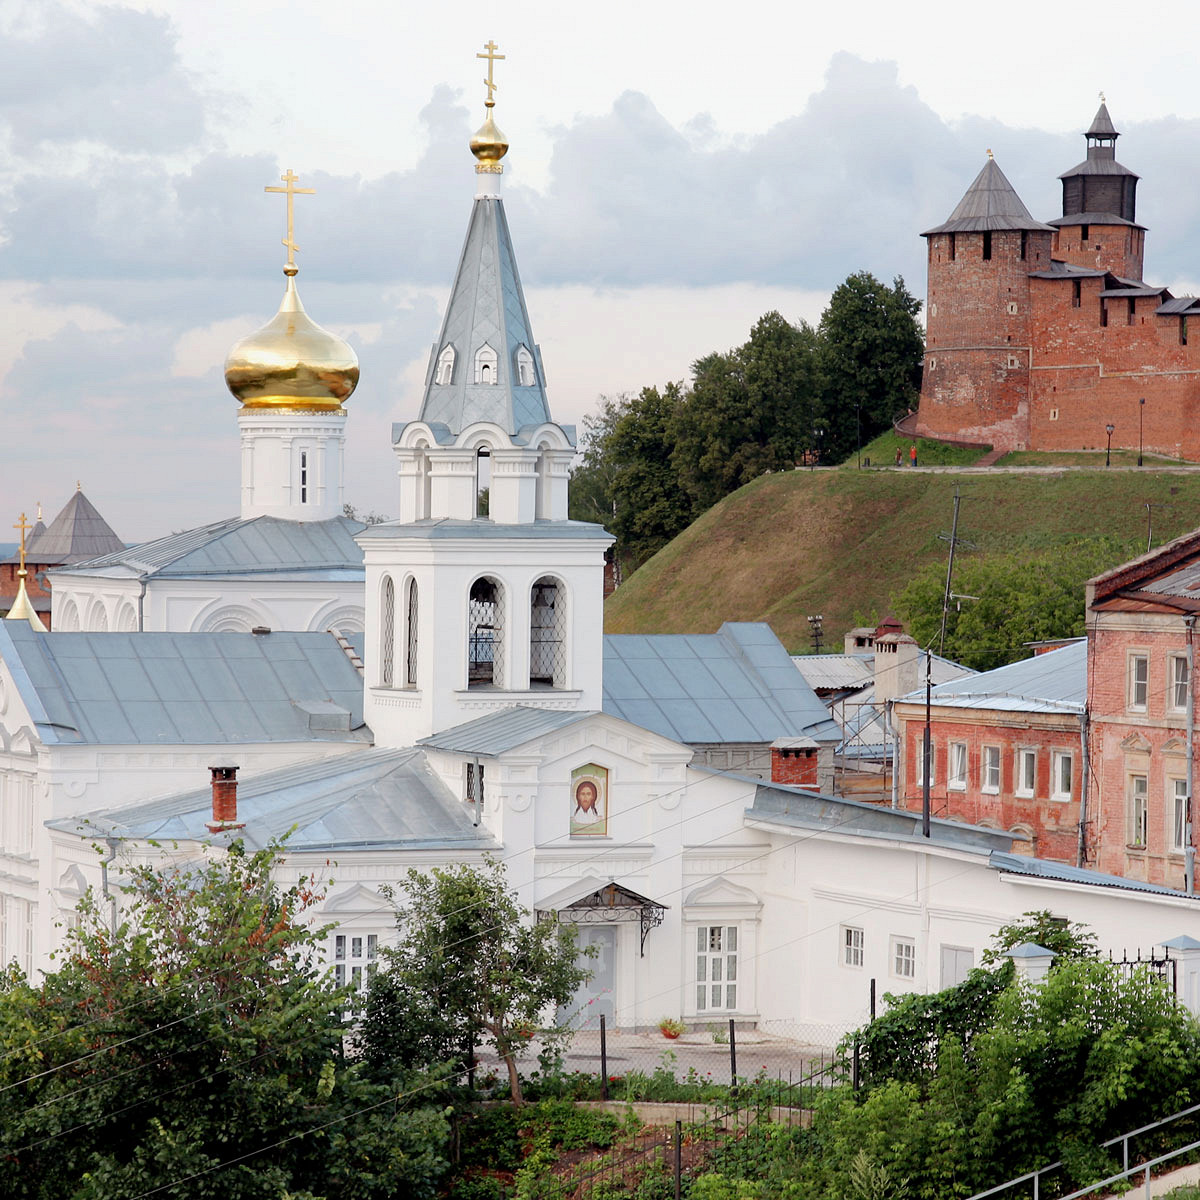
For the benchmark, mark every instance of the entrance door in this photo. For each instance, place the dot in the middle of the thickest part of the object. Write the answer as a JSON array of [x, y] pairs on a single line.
[[595, 997]]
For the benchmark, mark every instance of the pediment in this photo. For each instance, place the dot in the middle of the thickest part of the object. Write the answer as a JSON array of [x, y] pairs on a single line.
[[359, 899], [19, 741], [1135, 743], [722, 893], [72, 884], [1174, 745]]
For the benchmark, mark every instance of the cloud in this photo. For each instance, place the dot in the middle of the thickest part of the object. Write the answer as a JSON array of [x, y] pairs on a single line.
[[110, 76]]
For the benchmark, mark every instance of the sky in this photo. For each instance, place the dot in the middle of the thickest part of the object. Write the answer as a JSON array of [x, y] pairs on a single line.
[[675, 172]]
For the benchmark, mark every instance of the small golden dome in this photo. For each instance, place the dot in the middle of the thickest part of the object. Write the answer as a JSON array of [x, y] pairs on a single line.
[[292, 363], [489, 145]]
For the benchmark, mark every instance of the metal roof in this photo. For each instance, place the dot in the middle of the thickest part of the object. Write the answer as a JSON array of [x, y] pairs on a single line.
[[185, 688], [835, 671], [483, 527], [78, 532], [373, 798], [255, 546], [1093, 218], [1184, 580], [1042, 868], [737, 685], [1178, 306], [1102, 125], [1052, 682], [487, 306], [1064, 270], [1099, 166], [1143, 289], [990, 202], [780, 805], [501, 731]]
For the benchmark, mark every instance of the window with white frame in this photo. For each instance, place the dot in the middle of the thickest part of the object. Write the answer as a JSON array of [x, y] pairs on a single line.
[[904, 958], [921, 761], [989, 769], [1061, 769], [852, 946], [958, 766], [716, 968], [1179, 683], [485, 364], [1139, 681], [355, 958], [1179, 815], [1137, 810], [473, 790], [1026, 772]]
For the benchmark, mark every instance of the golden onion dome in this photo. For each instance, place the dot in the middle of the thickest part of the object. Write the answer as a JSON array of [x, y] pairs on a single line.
[[489, 145], [292, 363]]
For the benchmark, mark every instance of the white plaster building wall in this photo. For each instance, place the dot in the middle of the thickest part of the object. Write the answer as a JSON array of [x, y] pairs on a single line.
[[445, 571], [274, 483], [198, 606]]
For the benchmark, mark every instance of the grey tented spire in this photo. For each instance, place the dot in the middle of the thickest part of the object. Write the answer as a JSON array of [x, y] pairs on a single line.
[[1102, 126], [486, 333], [991, 202]]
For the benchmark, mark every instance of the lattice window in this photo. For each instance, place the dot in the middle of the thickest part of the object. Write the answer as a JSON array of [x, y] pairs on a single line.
[[410, 641], [355, 957], [548, 634], [485, 634], [716, 967], [387, 634]]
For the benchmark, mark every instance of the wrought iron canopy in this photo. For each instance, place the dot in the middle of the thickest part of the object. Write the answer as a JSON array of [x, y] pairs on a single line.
[[608, 905]]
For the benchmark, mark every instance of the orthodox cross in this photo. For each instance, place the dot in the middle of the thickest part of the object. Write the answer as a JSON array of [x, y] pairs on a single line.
[[492, 58], [291, 191], [22, 525]]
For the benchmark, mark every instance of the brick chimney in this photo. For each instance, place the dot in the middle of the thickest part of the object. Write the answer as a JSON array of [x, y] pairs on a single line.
[[224, 800]]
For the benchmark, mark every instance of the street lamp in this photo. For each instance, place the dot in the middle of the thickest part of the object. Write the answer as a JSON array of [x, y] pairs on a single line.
[[1141, 409], [1108, 449], [817, 444]]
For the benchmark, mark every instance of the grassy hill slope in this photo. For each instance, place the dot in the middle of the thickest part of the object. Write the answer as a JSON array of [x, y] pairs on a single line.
[[842, 543]]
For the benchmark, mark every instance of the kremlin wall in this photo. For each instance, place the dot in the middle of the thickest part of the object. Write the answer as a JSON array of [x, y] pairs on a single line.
[[1039, 335]]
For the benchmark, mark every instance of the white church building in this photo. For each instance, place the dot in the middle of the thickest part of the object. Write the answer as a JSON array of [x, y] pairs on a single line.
[[483, 711]]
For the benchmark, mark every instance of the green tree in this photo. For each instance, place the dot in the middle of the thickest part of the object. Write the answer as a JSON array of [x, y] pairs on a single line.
[[201, 1042], [469, 962], [749, 411], [591, 493], [1022, 597], [869, 352], [1066, 939]]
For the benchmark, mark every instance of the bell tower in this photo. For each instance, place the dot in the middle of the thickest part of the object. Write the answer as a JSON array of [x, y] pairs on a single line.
[[483, 595]]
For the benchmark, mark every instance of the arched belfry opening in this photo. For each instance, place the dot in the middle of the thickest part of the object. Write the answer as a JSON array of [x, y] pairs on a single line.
[[387, 634], [483, 481], [410, 635], [548, 634], [485, 634]]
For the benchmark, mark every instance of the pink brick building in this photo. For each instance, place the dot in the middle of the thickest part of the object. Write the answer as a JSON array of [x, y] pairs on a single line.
[[1141, 635]]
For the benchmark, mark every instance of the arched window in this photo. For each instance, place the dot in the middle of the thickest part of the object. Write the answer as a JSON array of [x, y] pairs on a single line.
[[303, 476], [525, 374], [99, 621], [548, 634], [445, 366], [485, 364], [425, 475], [69, 622], [410, 640], [387, 634], [541, 495], [485, 634], [483, 481], [127, 619]]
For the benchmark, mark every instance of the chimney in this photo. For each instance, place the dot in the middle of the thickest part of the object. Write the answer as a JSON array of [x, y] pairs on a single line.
[[224, 800]]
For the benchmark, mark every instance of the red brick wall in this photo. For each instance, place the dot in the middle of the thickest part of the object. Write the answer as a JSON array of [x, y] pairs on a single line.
[[976, 379], [1125, 743], [795, 766], [1115, 248], [1051, 827]]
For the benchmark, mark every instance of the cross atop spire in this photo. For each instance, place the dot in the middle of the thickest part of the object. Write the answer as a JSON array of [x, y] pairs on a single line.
[[291, 191], [24, 526], [492, 58]]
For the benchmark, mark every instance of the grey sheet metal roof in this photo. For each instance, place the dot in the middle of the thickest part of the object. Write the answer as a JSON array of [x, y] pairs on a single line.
[[1102, 125], [1184, 580], [1133, 290], [736, 685], [812, 811], [1052, 682], [487, 306], [185, 688], [501, 731], [1099, 166], [1178, 306], [78, 532], [1093, 218], [990, 202], [376, 799], [1041, 868], [482, 527], [835, 671], [257, 546], [1063, 270]]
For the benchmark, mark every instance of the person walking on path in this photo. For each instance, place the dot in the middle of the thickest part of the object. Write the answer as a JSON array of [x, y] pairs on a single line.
[[912, 455], [899, 453]]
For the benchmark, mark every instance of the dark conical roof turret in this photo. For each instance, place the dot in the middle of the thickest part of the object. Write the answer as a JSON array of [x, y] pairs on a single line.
[[1102, 126], [1099, 190], [991, 202]]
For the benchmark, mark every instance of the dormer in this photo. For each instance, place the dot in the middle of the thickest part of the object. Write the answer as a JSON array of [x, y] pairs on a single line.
[[444, 376], [486, 366], [525, 371]]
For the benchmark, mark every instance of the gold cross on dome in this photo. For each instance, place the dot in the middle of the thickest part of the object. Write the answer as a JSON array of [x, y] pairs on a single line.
[[23, 526], [492, 58], [291, 191]]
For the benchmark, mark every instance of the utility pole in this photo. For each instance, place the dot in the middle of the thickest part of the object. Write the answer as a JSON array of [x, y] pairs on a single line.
[[954, 541], [816, 631]]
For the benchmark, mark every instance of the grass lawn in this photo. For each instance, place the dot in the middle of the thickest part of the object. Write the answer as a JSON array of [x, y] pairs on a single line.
[[1083, 458], [882, 453]]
